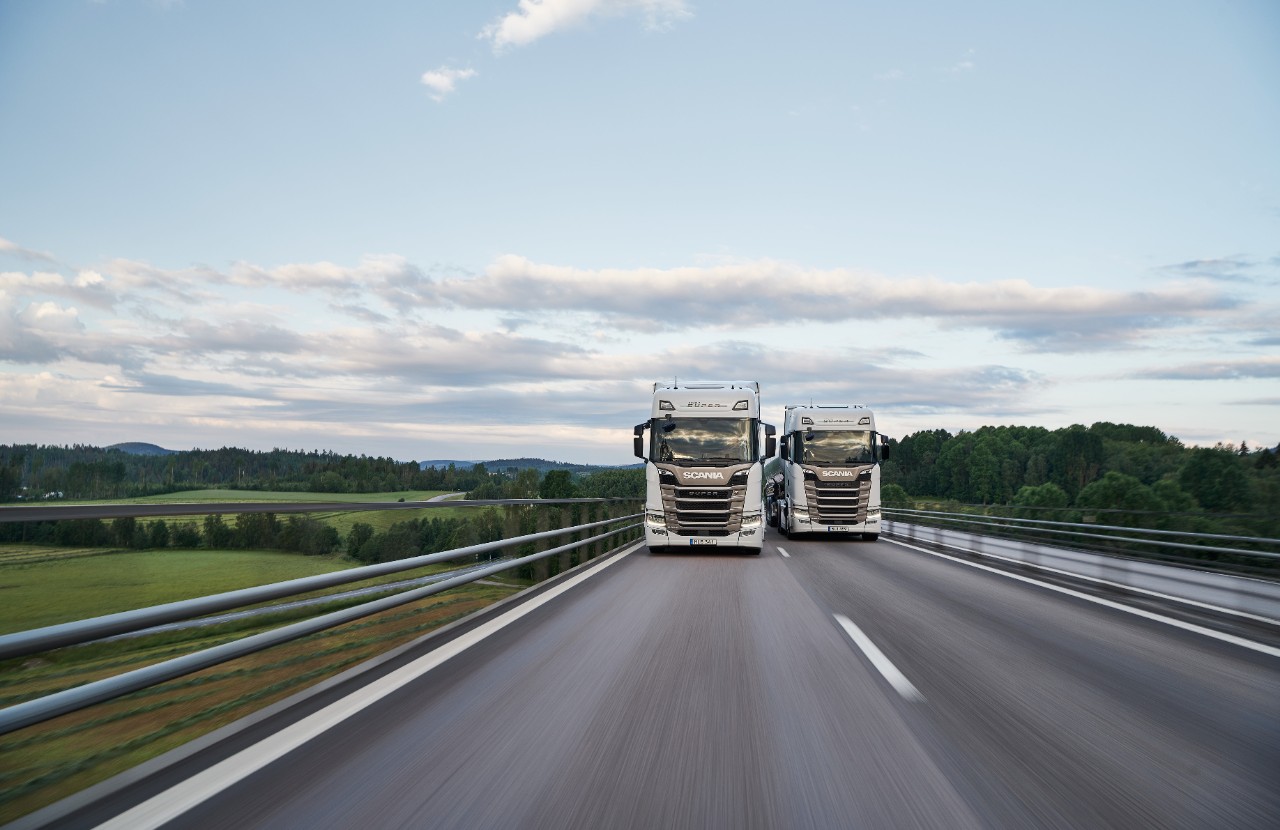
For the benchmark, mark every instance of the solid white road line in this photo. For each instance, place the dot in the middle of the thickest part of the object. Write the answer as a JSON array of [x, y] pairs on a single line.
[[1185, 626], [785, 555], [883, 664], [180, 798]]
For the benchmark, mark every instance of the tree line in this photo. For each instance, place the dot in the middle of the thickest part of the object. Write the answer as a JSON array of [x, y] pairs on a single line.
[[32, 472], [363, 543], [1106, 466]]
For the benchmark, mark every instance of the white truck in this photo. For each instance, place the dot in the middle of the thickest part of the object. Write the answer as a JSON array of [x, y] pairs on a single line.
[[704, 466], [828, 477]]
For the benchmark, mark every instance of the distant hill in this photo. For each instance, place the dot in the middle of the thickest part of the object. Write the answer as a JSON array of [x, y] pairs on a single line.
[[444, 465], [139, 448]]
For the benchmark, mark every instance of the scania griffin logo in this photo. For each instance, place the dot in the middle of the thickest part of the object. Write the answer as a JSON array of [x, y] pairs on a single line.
[[690, 476]]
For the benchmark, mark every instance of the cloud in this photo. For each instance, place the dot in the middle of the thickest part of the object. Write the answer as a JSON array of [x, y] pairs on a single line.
[[387, 292], [758, 292], [1256, 368], [889, 75], [530, 352], [181, 288], [37, 332], [1237, 268], [13, 249], [535, 19], [443, 82], [88, 287]]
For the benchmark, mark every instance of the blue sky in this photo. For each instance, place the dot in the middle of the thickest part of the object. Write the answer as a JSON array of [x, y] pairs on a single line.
[[481, 229]]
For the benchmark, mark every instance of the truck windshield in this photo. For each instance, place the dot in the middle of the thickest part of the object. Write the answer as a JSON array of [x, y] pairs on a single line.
[[703, 440], [837, 447]]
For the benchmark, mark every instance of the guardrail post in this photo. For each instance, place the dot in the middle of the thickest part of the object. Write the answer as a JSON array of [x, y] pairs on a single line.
[[593, 515], [541, 520], [575, 519]]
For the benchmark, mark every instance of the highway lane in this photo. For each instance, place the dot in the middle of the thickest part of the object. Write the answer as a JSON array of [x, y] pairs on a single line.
[[1055, 711], [720, 691]]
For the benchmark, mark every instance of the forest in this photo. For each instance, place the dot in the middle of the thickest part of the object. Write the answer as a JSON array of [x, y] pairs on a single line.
[[1121, 467], [88, 471], [29, 472]]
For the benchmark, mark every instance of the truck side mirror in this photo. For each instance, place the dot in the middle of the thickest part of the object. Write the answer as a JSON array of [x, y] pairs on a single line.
[[770, 443], [638, 441], [786, 449], [884, 448]]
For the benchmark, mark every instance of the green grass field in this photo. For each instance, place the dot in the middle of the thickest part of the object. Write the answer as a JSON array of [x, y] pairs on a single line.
[[341, 520], [42, 586], [54, 759], [78, 587], [195, 496]]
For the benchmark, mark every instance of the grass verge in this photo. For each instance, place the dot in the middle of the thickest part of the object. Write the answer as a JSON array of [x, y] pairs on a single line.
[[49, 761]]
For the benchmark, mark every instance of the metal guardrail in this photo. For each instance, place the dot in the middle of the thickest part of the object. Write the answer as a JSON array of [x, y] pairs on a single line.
[[1255, 599], [1135, 536], [70, 700]]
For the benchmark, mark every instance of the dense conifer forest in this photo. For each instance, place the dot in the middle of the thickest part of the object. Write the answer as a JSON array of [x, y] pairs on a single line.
[[30, 472], [1080, 470]]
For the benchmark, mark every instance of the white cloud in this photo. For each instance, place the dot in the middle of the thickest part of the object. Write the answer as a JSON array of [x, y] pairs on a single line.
[[331, 351], [534, 19], [1256, 368], [88, 286], [16, 250], [444, 81], [50, 317], [1076, 318]]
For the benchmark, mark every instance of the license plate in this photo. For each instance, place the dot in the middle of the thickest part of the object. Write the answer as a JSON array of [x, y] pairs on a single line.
[[840, 529], [702, 541]]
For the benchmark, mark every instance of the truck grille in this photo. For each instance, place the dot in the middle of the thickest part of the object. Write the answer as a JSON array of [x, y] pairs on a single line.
[[704, 511], [838, 502]]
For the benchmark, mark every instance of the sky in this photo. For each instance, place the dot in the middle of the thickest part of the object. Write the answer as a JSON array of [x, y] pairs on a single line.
[[483, 229]]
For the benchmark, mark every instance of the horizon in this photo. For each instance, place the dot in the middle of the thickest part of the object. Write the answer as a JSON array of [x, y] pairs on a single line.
[[634, 462], [456, 230]]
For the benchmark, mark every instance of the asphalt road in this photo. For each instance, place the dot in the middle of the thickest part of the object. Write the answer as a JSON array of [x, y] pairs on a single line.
[[724, 691]]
